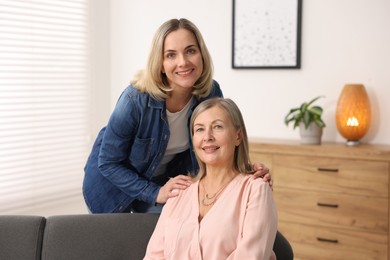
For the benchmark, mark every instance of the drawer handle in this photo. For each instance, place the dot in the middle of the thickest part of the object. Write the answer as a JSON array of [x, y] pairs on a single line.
[[335, 241], [327, 205], [327, 170]]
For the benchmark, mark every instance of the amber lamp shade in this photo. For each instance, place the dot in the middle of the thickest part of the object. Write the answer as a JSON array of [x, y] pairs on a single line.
[[353, 113]]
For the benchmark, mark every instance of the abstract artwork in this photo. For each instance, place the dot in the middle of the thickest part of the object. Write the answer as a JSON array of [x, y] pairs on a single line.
[[266, 34]]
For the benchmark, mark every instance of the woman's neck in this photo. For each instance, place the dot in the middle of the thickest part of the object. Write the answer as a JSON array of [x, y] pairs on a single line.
[[218, 176], [175, 102]]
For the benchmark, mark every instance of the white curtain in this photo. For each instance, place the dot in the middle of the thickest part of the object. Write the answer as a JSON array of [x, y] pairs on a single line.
[[44, 102]]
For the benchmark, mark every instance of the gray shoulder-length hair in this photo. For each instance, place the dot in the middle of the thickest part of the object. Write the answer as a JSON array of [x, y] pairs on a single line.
[[242, 161], [154, 82]]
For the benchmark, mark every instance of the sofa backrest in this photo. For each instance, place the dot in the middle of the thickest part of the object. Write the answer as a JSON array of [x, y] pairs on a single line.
[[97, 236], [84, 237], [21, 237]]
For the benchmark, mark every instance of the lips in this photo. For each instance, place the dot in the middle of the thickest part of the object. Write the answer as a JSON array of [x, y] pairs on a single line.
[[210, 148], [185, 72]]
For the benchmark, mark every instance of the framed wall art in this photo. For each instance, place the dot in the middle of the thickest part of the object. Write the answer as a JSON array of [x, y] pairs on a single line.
[[266, 34]]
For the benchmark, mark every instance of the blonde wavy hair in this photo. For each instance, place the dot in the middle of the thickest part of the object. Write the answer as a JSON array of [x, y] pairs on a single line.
[[151, 80]]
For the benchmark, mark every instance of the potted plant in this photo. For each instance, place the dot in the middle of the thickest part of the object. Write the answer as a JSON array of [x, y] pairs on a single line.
[[308, 118]]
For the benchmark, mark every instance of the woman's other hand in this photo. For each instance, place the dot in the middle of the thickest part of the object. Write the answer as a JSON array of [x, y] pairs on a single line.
[[170, 189], [262, 171]]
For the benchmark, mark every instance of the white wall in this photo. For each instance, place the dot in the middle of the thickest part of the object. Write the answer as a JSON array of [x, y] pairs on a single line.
[[100, 44], [343, 41]]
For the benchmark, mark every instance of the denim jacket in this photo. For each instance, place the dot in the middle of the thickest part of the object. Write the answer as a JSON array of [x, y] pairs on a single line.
[[127, 151]]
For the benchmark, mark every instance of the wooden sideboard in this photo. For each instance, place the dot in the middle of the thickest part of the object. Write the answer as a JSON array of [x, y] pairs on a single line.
[[332, 200]]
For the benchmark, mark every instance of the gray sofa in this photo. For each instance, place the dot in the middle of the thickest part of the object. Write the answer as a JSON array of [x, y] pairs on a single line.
[[84, 237]]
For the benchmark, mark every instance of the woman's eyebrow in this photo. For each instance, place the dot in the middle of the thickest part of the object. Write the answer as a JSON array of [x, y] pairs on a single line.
[[191, 46], [212, 122], [188, 47]]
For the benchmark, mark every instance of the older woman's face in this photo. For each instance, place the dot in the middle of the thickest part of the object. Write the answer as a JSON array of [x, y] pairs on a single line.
[[182, 61], [215, 137]]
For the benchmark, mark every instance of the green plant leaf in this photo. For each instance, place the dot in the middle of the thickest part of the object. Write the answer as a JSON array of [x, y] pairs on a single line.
[[319, 122], [316, 110], [312, 101], [305, 113], [306, 118]]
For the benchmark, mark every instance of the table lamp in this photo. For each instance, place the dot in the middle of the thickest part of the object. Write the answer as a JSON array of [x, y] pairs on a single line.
[[353, 113]]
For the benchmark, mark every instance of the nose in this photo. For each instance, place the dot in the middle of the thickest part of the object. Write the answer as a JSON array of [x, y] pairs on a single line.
[[208, 135], [182, 60]]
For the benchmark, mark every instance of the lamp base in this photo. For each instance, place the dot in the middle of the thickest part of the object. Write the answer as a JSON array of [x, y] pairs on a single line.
[[352, 143]]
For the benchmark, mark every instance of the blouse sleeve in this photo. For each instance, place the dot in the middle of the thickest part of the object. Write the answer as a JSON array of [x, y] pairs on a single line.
[[155, 248], [156, 245], [259, 225]]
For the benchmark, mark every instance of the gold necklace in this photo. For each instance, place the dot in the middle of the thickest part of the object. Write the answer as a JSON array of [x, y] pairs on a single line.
[[210, 200]]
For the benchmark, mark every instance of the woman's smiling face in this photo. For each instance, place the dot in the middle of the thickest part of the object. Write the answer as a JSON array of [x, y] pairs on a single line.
[[182, 62], [215, 137]]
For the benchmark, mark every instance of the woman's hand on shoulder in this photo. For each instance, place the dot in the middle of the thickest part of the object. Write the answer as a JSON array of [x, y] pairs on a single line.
[[170, 189], [260, 170]]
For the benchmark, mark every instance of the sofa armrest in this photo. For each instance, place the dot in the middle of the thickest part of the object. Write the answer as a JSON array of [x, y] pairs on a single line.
[[21, 237]]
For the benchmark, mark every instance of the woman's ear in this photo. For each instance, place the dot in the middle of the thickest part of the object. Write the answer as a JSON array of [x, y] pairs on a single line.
[[239, 137]]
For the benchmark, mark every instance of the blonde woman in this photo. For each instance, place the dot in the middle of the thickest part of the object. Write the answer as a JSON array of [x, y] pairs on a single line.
[[144, 152]]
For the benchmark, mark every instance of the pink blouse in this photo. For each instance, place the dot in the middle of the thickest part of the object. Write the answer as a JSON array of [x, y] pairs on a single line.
[[242, 224]]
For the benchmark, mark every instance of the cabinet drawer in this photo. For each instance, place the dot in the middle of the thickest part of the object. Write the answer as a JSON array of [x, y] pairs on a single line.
[[331, 209], [312, 242], [331, 175]]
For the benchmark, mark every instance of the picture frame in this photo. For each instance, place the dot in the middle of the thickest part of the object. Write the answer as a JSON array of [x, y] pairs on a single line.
[[266, 34]]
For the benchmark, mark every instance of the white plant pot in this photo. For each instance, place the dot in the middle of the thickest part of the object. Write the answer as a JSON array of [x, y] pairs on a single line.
[[311, 135]]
